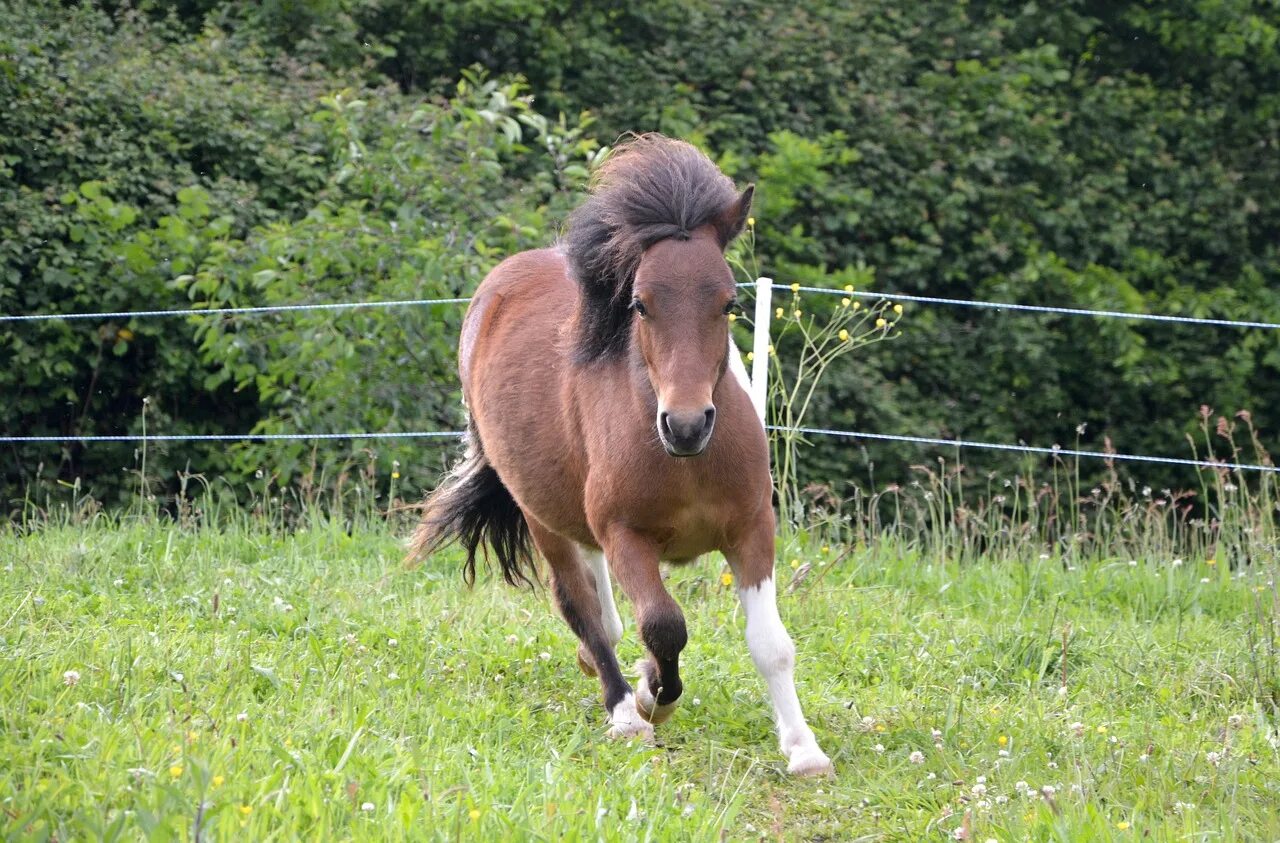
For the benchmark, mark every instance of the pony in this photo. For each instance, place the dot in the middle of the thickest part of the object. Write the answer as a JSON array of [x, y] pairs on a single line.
[[610, 428]]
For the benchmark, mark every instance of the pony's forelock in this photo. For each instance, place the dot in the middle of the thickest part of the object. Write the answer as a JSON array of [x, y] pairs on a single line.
[[652, 188]]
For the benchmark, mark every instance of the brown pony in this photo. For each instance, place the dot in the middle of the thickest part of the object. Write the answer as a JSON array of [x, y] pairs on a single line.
[[609, 419]]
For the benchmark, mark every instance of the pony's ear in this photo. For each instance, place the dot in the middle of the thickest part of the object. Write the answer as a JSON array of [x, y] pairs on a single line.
[[731, 222]]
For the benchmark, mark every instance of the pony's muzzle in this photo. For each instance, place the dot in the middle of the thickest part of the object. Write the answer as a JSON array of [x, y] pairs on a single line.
[[686, 434]]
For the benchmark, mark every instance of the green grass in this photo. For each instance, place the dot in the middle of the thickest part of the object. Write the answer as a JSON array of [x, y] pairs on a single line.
[[245, 681]]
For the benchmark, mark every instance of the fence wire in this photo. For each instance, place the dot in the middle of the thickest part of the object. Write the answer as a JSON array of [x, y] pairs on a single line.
[[1056, 451], [815, 431]]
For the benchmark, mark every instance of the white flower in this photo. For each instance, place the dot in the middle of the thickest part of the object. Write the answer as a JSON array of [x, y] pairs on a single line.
[[71, 677], [878, 747], [979, 790], [393, 675], [960, 834], [1077, 729], [242, 717], [391, 642], [981, 780], [1177, 563], [868, 723], [937, 734], [1235, 721], [931, 776], [367, 806], [916, 757], [1183, 807], [117, 582], [1214, 758], [1048, 790], [1003, 753]]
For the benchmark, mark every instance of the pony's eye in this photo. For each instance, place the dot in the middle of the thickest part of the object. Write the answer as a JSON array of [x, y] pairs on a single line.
[[731, 307], [638, 307]]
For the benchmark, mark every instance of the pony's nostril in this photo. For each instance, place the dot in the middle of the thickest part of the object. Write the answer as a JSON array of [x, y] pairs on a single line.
[[710, 418]]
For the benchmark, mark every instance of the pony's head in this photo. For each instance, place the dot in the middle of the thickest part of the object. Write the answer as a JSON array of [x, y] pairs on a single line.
[[647, 249]]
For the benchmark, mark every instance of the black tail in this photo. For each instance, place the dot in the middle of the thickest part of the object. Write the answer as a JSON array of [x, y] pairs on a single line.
[[473, 508]]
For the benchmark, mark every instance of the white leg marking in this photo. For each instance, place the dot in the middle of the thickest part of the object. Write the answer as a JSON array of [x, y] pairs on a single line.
[[625, 721], [775, 658], [608, 609], [646, 702]]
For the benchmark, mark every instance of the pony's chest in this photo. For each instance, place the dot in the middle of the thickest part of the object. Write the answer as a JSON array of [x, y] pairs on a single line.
[[685, 522]]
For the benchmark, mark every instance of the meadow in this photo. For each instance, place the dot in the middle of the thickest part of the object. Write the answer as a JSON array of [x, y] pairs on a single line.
[[162, 680]]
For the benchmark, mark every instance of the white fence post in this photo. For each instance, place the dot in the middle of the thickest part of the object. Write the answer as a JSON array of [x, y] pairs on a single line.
[[760, 346]]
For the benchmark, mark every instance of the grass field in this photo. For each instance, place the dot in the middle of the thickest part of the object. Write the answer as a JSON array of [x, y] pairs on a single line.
[[249, 683]]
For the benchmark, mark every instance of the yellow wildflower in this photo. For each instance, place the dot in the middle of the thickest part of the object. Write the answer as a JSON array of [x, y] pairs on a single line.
[[175, 770], [772, 350], [848, 288], [857, 305], [880, 323], [1211, 562], [726, 579], [751, 222], [246, 809], [733, 317], [395, 475], [474, 813], [844, 335], [124, 334], [897, 308], [826, 549], [1122, 825], [1102, 730], [845, 302], [795, 288], [795, 563], [751, 355], [1003, 740], [778, 313], [798, 313], [218, 780]]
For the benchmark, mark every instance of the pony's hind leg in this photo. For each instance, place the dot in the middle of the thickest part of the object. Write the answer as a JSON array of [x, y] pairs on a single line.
[[579, 603], [608, 608], [659, 619]]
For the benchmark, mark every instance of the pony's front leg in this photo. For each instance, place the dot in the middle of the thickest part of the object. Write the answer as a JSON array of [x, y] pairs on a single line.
[[658, 617], [576, 595], [772, 650]]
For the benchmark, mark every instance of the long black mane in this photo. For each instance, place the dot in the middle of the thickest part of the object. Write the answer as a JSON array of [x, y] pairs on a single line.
[[652, 188]]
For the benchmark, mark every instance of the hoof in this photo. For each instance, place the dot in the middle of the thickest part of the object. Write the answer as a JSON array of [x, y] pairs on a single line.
[[585, 662], [625, 721], [809, 761], [646, 704]]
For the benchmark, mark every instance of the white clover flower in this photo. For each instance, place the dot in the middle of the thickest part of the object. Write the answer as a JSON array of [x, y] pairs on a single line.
[[366, 806], [242, 717], [392, 642], [916, 757], [70, 677], [979, 790], [878, 747], [1077, 729]]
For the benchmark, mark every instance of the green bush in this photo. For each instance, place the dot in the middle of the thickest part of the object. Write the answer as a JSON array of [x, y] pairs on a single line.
[[1116, 156]]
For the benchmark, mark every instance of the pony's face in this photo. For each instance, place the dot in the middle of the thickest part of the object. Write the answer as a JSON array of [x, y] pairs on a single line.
[[683, 294]]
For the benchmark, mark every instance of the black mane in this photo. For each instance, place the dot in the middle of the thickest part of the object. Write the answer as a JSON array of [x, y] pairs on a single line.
[[651, 188]]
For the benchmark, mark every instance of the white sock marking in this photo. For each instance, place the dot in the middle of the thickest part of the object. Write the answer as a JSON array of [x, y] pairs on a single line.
[[608, 609], [775, 657], [626, 722]]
